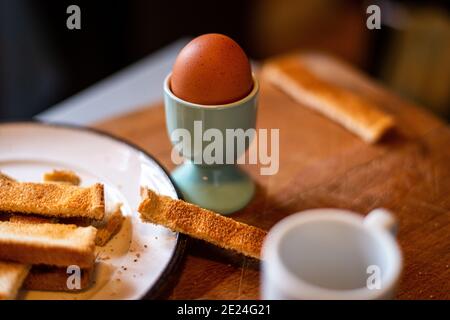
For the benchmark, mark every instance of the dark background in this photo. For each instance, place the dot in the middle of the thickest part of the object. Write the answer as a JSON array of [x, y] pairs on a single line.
[[42, 62]]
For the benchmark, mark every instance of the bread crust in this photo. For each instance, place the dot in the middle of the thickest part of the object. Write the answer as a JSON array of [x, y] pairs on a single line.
[[357, 114], [53, 200], [47, 243], [202, 224]]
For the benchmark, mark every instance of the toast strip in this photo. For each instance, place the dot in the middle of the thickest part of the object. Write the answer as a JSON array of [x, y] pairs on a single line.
[[12, 275], [48, 278], [54, 200], [62, 176], [47, 243], [357, 114], [110, 227], [202, 224]]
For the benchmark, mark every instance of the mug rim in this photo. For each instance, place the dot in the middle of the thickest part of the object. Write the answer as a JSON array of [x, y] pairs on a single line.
[[247, 98], [293, 283]]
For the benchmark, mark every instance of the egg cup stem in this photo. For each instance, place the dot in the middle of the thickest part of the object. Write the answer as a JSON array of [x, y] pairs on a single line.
[[224, 189]]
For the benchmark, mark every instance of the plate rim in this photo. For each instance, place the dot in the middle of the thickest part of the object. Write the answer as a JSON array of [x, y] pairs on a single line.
[[169, 274]]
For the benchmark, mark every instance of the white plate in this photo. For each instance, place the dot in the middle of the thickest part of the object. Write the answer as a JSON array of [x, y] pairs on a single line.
[[140, 258]]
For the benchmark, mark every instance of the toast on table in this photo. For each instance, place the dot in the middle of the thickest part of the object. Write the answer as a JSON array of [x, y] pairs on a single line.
[[200, 223], [358, 114]]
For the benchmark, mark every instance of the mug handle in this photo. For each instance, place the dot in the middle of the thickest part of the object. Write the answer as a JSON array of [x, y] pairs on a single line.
[[382, 218]]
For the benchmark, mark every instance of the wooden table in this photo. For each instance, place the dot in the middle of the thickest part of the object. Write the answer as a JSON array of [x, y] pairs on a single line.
[[323, 165]]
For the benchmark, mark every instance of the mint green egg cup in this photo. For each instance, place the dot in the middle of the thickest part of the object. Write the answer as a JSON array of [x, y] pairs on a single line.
[[223, 188]]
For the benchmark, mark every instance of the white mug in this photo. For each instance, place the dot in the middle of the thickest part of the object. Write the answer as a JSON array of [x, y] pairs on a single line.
[[331, 254]]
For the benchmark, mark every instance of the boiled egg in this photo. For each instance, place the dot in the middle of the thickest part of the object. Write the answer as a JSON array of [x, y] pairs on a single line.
[[212, 69]]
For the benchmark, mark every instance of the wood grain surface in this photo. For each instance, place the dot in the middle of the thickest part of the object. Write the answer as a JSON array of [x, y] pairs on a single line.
[[323, 165]]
